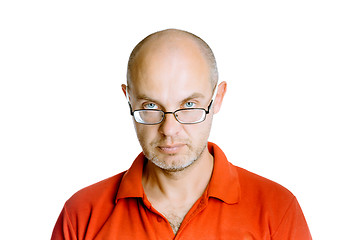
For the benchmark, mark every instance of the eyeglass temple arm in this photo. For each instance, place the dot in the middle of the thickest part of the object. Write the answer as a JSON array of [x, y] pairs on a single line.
[[212, 99], [128, 100]]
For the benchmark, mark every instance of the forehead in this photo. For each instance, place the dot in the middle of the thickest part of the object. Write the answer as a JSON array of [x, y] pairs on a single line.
[[171, 69]]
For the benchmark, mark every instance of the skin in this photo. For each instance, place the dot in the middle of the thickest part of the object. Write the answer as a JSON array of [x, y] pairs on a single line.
[[169, 73]]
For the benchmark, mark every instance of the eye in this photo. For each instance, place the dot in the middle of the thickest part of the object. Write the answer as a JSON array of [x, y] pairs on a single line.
[[150, 106], [189, 104]]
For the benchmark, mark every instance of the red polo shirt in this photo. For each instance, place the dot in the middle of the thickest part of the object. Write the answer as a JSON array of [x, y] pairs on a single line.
[[237, 204]]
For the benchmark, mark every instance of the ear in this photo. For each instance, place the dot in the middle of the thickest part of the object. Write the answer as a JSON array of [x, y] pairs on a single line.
[[220, 96], [124, 87]]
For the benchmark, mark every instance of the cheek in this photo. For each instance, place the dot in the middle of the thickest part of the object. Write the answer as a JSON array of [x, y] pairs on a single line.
[[145, 133], [199, 132]]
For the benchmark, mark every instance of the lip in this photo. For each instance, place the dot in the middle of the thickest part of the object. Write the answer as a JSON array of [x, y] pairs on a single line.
[[171, 149]]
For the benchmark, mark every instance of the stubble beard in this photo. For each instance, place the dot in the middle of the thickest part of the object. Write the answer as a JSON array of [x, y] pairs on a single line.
[[180, 161]]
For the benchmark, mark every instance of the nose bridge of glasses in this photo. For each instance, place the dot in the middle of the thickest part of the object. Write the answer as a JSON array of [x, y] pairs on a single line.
[[171, 113]]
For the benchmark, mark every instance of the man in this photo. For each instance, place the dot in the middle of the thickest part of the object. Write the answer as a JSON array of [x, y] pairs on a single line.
[[180, 186]]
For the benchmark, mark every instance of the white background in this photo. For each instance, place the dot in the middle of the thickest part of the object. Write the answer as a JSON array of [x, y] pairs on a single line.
[[291, 113]]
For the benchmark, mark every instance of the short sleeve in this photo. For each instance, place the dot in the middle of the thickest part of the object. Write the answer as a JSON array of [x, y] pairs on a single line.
[[293, 224], [63, 229]]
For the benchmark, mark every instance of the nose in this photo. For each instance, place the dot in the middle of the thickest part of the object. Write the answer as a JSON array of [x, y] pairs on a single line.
[[170, 126]]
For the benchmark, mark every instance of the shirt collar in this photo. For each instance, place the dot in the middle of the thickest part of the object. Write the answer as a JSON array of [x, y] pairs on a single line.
[[224, 183], [131, 183]]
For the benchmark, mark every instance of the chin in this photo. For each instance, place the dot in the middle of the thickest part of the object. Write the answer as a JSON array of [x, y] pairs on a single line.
[[173, 160], [173, 163]]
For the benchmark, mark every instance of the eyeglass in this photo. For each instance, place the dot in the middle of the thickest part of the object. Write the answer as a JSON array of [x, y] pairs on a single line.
[[183, 116]]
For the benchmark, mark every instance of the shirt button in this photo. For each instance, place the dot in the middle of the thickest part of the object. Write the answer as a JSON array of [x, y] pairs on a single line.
[[159, 219]]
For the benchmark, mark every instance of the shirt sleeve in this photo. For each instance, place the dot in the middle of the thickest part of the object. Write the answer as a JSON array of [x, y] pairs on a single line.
[[63, 229], [293, 224]]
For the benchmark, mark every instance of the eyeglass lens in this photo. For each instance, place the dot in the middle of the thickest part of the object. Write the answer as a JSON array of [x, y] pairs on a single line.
[[182, 115]]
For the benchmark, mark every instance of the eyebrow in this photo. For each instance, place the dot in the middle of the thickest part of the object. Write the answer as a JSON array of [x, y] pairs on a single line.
[[192, 96]]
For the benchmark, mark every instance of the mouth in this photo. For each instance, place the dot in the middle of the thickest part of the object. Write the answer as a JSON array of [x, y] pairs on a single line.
[[171, 149]]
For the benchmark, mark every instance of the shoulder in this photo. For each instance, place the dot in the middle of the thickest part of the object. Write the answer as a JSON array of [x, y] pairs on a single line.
[[103, 192], [269, 199], [262, 189], [94, 202], [272, 204]]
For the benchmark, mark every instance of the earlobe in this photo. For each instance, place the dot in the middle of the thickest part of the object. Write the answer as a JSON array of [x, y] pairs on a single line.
[[220, 96]]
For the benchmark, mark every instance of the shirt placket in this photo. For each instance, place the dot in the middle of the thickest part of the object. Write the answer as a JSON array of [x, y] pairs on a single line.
[[198, 207], [161, 224]]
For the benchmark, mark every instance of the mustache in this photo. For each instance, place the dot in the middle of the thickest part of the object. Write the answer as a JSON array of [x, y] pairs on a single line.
[[166, 142]]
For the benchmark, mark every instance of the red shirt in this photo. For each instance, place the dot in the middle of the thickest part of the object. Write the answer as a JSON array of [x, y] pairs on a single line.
[[237, 204]]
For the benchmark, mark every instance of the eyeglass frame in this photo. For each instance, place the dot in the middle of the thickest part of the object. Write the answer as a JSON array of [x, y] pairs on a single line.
[[173, 113]]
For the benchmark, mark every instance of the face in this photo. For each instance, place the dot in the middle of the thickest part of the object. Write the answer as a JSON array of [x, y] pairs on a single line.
[[171, 78]]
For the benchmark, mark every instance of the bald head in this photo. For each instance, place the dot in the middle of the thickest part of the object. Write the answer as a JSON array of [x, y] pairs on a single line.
[[171, 41]]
